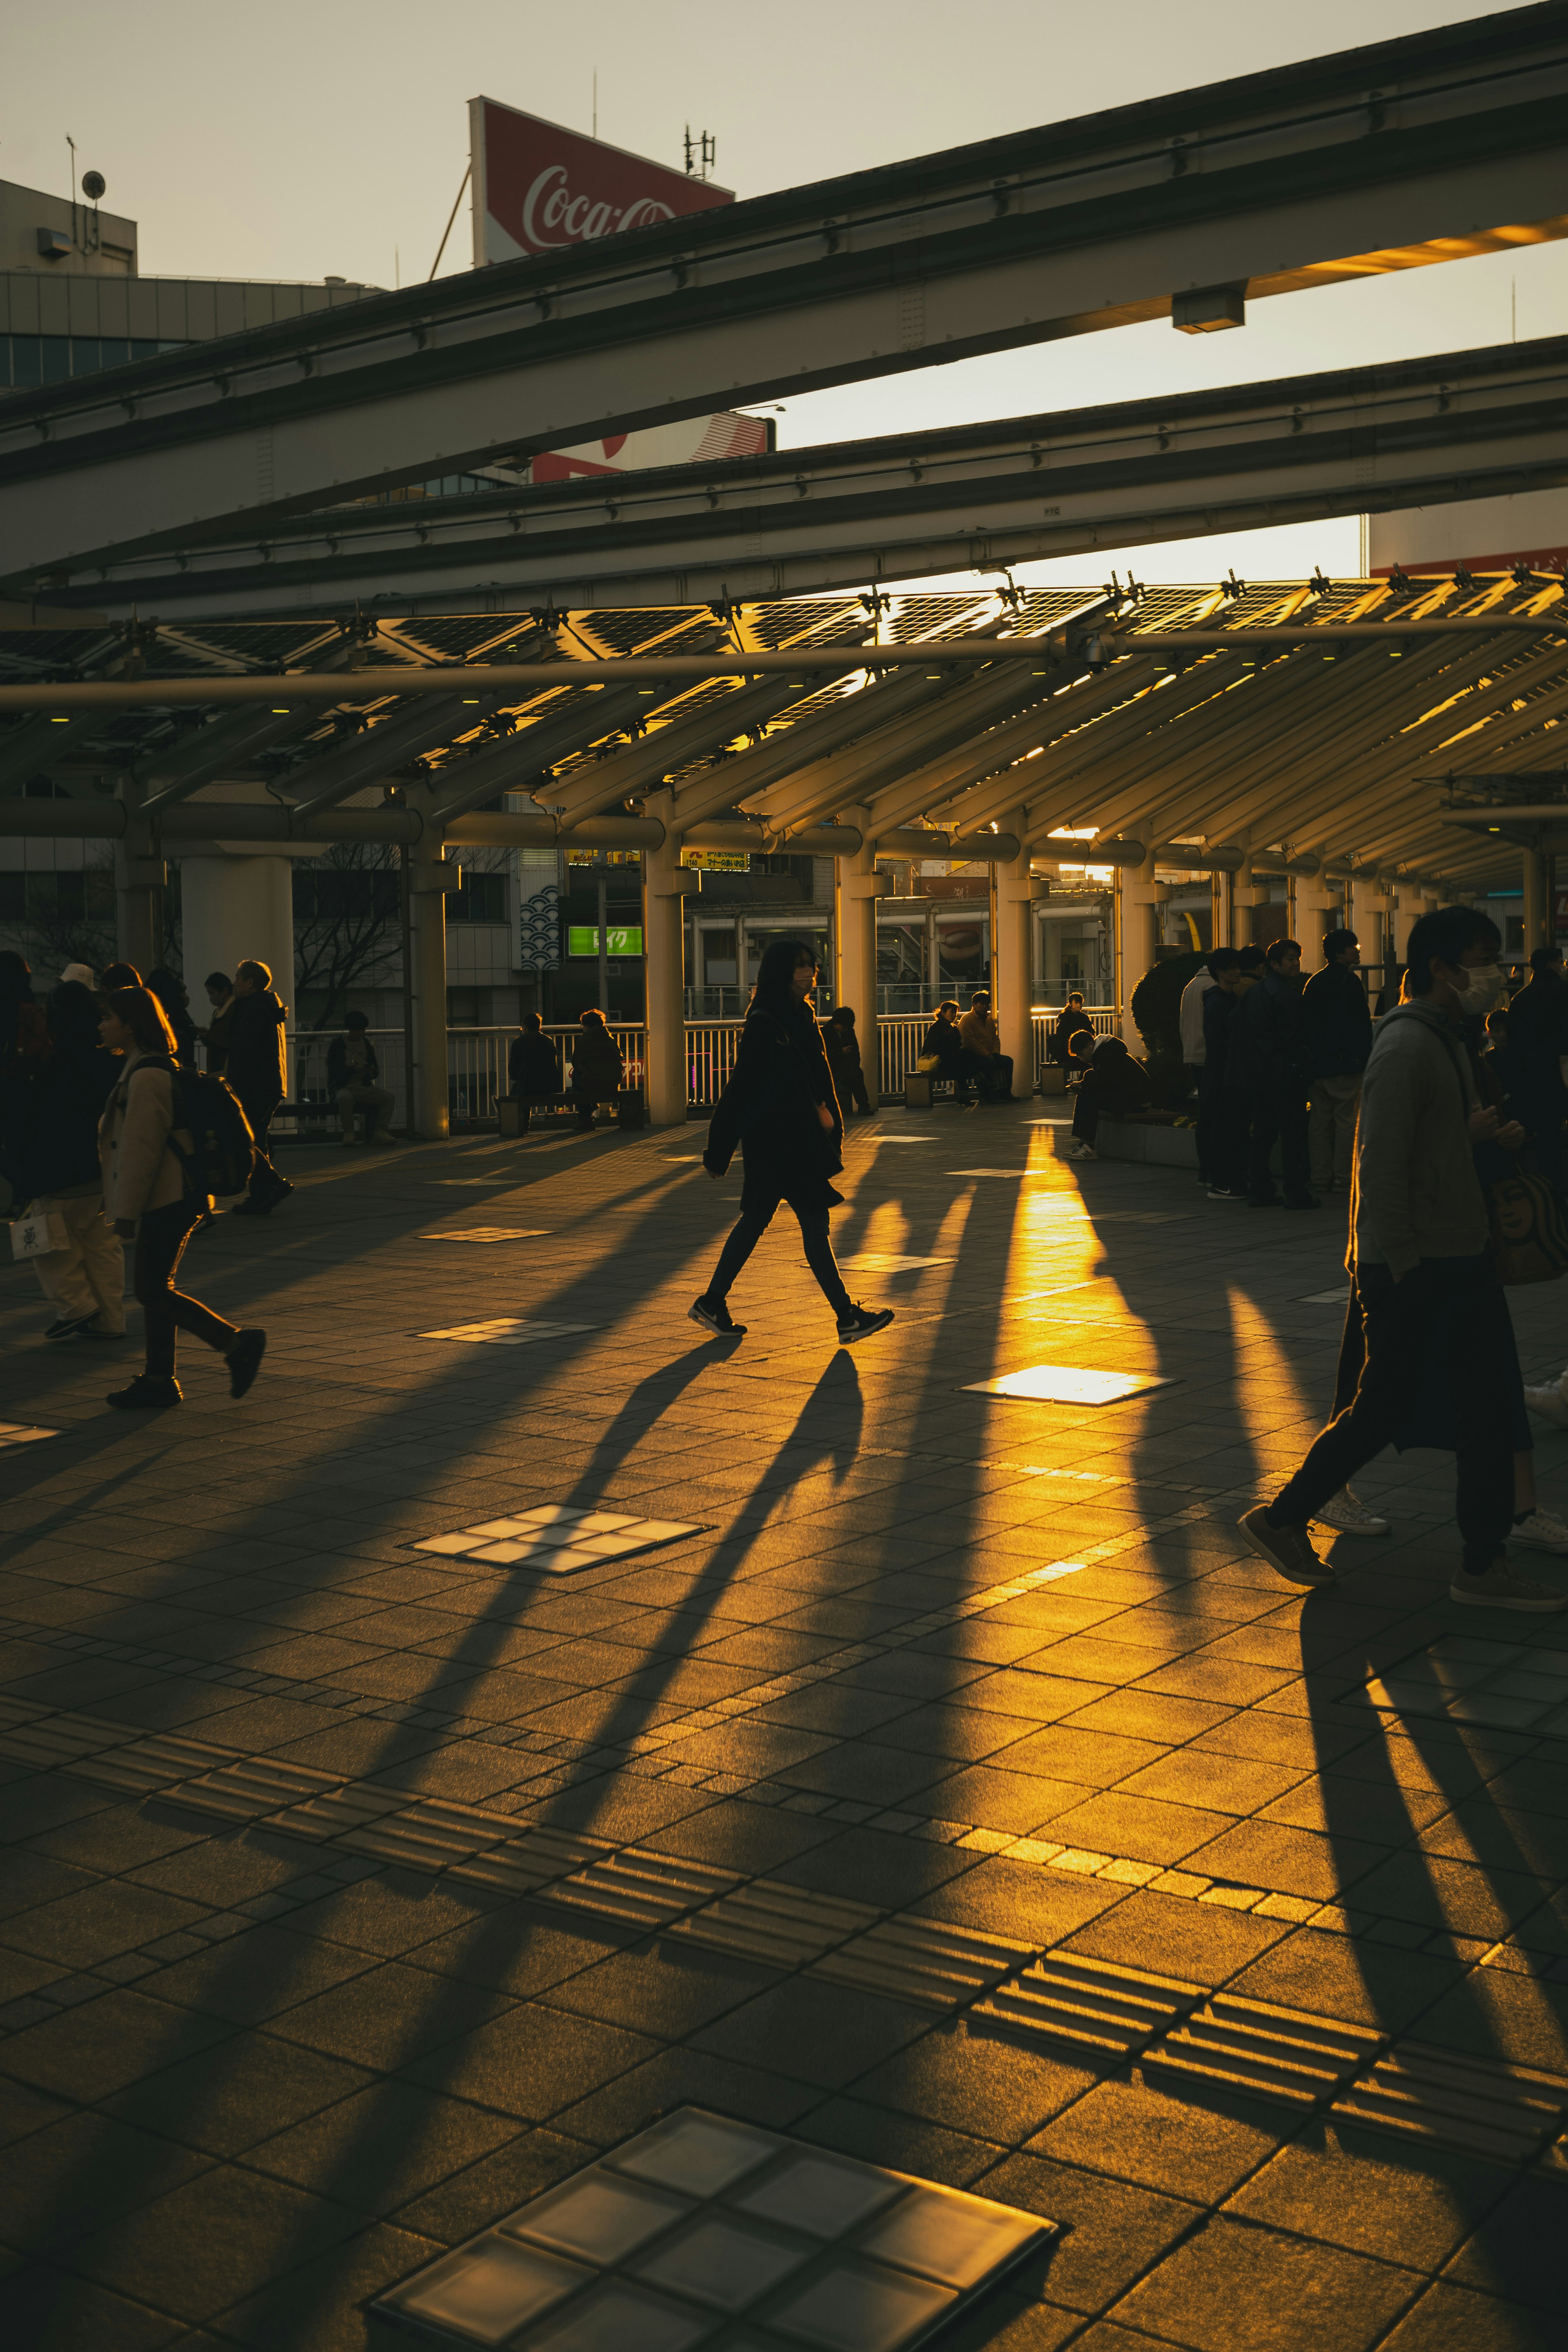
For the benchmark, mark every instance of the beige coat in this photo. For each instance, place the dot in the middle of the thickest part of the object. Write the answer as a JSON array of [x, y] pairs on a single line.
[[139, 1171]]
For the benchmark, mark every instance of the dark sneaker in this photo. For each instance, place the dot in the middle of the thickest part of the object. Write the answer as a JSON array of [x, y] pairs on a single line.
[[250, 1207], [145, 1392], [860, 1322], [69, 1327], [1288, 1550], [1502, 1588], [244, 1360], [93, 1331], [714, 1314], [279, 1191]]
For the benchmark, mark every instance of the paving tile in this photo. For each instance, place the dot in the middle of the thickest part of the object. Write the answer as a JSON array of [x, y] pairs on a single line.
[[1144, 1829], [1339, 1976], [202, 2246], [1495, 2014], [87, 2052], [226, 2099], [53, 2312], [318, 2306], [388, 2015], [531, 2063], [1198, 2146], [524, 2165], [687, 2078], [382, 2145], [865, 1865], [1373, 2196], [257, 1974], [1235, 2286], [905, 2143], [831, 2032], [1287, 1861], [1458, 2319], [975, 2082], [85, 2165], [1110, 2231], [1161, 1933], [995, 1798]]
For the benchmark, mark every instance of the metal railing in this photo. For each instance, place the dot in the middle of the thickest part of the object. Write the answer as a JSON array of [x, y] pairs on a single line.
[[476, 1059]]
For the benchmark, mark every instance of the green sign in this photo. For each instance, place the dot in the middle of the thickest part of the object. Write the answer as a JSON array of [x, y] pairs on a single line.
[[582, 940]]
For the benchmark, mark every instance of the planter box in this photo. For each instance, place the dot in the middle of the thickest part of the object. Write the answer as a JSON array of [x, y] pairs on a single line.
[[1154, 1146]]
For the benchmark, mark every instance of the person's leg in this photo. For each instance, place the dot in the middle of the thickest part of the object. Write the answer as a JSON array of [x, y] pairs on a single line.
[[820, 1259], [1002, 1076], [1265, 1124], [1399, 1321], [1322, 1118], [1232, 1146], [1477, 1346], [103, 1263], [1086, 1113], [265, 1182], [62, 1277], [160, 1237], [744, 1236], [1293, 1145], [184, 1313], [379, 1103], [862, 1098], [1347, 1110], [348, 1100], [1352, 1353]]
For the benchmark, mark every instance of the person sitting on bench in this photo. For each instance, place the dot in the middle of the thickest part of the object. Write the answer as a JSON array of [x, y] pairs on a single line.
[[1116, 1084], [943, 1055], [597, 1070], [533, 1068], [980, 1033]]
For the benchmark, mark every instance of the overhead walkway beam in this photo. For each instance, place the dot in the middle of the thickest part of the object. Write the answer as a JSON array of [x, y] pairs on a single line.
[[1445, 143], [1461, 424]]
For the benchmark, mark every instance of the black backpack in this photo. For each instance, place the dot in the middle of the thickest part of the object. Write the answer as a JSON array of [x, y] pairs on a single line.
[[223, 1153]]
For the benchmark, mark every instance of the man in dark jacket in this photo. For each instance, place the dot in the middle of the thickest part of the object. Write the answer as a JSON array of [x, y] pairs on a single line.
[[1268, 1038], [533, 1068], [598, 1067], [1538, 1056], [353, 1081], [255, 1072], [56, 1166], [1221, 1112], [1116, 1084], [215, 1035], [1336, 1028], [845, 1059]]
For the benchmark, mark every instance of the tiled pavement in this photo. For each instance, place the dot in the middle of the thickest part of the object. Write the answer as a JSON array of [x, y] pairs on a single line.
[[500, 1865]]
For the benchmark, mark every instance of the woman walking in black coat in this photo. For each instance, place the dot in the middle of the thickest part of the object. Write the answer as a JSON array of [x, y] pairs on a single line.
[[780, 1107]]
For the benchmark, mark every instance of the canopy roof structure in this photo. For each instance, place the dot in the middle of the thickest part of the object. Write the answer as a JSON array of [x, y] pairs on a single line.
[[1202, 725]]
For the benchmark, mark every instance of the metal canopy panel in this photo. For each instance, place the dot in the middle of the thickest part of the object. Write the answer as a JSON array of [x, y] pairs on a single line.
[[1335, 747]]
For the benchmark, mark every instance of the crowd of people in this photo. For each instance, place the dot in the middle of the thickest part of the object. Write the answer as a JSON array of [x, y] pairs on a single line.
[[99, 1138]]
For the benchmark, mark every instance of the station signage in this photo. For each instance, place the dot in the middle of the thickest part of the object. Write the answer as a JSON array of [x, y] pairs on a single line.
[[582, 940], [538, 188]]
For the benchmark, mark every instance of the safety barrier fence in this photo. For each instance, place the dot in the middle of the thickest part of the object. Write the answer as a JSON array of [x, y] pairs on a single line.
[[476, 1059]]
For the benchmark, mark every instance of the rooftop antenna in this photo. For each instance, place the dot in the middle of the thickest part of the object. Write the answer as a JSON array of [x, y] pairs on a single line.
[[71, 182], [702, 153]]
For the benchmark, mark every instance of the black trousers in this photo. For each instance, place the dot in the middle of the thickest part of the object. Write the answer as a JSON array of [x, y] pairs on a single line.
[[1452, 1308], [1278, 1112], [995, 1075], [161, 1239], [748, 1231], [261, 1110]]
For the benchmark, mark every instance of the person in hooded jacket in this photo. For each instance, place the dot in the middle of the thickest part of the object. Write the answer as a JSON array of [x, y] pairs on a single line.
[[57, 1168], [143, 1153], [174, 997], [1116, 1082], [533, 1068], [780, 1106], [254, 1070], [1267, 1038], [844, 1058], [598, 1067]]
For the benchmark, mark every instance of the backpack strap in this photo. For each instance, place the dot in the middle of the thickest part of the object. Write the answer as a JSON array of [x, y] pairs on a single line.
[[188, 1165]]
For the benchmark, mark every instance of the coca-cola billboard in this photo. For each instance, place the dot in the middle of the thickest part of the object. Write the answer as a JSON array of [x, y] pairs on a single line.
[[540, 189]]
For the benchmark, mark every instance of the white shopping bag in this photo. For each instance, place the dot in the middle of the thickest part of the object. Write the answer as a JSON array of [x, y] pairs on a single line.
[[37, 1235]]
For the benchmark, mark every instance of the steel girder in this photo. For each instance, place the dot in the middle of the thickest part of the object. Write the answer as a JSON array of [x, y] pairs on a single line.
[[1445, 143], [1412, 432]]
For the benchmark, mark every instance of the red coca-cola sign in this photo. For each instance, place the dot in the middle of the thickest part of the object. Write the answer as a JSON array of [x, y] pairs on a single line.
[[540, 189]]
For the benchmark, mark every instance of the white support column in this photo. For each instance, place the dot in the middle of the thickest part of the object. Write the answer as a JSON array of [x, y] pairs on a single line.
[[667, 886], [431, 882], [1317, 912], [1409, 905], [860, 886], [1017, 893], [234, 910], [1138, 895], [1245, 894], [1538, 916]]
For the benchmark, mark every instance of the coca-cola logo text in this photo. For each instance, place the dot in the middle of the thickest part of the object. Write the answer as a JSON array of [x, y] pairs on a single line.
[[550, 208]]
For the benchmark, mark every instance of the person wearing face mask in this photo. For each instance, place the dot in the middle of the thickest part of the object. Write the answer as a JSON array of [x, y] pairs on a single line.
[[1423, 1284], [1538, 1056]]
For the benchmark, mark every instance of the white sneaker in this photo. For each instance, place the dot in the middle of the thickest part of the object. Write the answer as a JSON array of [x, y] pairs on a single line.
[[1549, 1403], [1082, 1151], [1500, 1587], [1539, 1530], [1350, 1517]]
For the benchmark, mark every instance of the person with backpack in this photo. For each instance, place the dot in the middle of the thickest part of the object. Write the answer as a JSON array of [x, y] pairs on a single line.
[[55, 1167], [255, 1072], [149, 1157], [780, 1107]]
